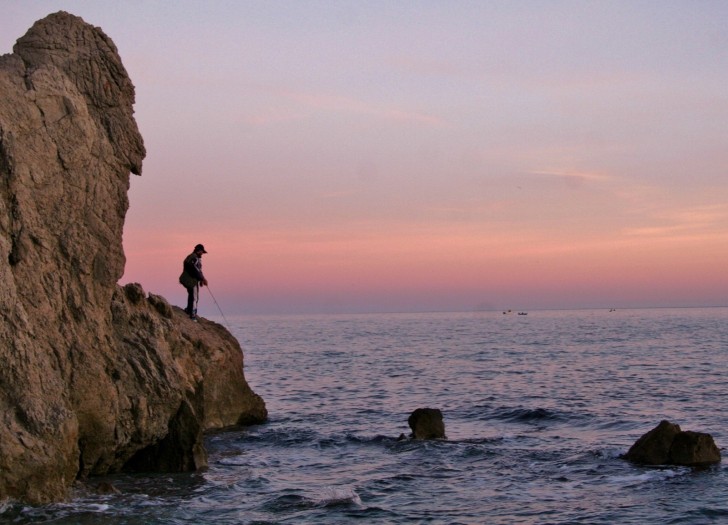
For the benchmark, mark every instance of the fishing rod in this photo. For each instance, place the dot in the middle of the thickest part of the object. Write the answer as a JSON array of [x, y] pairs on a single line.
[[219, 309]]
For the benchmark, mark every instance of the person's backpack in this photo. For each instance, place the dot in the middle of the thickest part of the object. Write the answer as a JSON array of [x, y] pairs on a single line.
[[187, 280]]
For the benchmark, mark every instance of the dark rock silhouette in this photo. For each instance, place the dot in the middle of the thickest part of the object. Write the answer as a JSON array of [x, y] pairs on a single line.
[[427, 423], [694, 449], [667, 444], [653, 448], [95, 377]]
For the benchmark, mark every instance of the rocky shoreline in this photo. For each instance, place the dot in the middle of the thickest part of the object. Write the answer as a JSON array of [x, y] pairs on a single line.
[[96, 378]]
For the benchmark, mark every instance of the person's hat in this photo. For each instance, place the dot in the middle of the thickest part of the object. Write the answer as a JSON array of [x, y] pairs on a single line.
[[200, 248]]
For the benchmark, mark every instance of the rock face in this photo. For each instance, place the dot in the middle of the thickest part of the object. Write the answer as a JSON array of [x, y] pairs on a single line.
[[666, 444], [426, 423], [95, 377]]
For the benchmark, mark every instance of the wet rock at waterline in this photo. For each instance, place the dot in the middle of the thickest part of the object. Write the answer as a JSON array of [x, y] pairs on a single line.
[[667, 444], [427, 423]]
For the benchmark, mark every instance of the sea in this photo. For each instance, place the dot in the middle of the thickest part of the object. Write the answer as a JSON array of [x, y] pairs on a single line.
[[538, 410]]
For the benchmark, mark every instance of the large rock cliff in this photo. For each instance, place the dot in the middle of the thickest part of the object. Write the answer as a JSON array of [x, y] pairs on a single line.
[[94, 377]]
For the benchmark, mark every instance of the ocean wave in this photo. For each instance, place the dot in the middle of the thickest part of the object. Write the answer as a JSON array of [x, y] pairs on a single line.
[[648, 476], [527, 415], [618, 425], [608, 453], [56, 512], [284, 436], [704, 513], [286, 502], [327, 497], [521, 414], [332, 496]]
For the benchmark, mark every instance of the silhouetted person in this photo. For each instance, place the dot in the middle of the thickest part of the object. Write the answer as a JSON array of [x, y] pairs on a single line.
[[192, 278]]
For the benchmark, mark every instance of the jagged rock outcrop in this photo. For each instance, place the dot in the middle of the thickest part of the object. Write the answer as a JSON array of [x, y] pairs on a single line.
[[95, 377], [667, 444]]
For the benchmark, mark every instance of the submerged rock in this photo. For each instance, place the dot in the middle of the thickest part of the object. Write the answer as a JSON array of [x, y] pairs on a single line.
[[667, 444], [106, 488], [95, 377], [427, 423]]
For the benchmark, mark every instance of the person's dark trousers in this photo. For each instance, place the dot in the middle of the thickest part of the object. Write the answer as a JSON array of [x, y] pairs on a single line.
[[191, 300]]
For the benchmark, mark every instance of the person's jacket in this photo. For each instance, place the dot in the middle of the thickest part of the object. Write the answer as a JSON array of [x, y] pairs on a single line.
[[193, 266]]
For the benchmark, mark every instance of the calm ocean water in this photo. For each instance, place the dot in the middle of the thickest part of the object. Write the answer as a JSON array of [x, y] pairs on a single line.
[[537, 410]]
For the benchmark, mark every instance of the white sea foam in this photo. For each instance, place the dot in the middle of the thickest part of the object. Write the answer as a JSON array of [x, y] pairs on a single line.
[[646, 477], [97, 507], [337, 496], [609, 453]]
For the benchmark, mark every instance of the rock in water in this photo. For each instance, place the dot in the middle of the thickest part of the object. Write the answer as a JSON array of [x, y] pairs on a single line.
[[94, 377], [694, 449], [653, 448], [106, 488], [426, 423], [667, 444]]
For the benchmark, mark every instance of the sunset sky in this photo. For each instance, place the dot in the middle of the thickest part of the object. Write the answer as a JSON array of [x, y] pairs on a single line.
[[357, 156]]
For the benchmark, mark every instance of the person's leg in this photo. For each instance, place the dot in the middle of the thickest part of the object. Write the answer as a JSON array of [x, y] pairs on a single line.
[[190, 310], [196, 295]]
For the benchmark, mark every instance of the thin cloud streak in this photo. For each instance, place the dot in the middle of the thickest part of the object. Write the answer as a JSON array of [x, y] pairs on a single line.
[[337, 103]]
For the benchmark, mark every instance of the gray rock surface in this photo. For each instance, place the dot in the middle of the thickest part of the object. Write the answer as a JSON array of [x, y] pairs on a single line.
[[95, 377]]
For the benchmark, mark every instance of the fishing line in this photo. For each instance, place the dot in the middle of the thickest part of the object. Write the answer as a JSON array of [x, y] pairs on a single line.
[[219, 309]]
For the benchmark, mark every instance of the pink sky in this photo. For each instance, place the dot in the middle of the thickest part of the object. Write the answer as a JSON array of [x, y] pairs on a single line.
[[381, 156]]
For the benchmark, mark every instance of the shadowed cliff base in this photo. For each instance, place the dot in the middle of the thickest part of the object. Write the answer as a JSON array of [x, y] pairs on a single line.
[[96, 378]]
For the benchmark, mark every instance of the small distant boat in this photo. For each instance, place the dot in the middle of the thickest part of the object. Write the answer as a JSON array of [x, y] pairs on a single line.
[[508, 312]]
